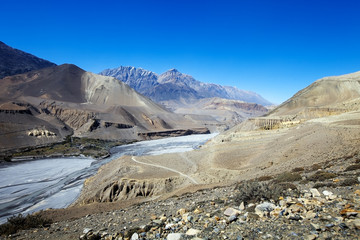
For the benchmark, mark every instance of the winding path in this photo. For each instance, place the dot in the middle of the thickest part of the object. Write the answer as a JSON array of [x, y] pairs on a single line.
[[166, 168]]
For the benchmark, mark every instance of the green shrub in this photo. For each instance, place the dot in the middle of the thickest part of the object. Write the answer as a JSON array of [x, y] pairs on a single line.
[[21, 222], [321, 176], [288, 177]]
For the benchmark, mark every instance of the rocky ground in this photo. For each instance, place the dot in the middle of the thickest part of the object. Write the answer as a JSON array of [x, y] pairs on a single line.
[[316, 202]]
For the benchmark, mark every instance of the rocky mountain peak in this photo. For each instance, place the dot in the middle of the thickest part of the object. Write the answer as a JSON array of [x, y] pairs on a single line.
[[174, 85]]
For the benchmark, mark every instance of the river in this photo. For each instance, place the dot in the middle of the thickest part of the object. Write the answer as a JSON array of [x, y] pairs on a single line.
[[31, 186]]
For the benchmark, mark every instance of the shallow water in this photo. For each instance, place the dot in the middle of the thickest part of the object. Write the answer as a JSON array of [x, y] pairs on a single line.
[[30, 186]]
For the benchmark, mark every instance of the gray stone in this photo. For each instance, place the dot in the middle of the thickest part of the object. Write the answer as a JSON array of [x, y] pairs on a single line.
[[266, 206], [327, 193], [135, 236], [192, 232], [315, 192], [242, 206], [231, 211], [315, 226], [232, 218], [87, 230], [175, 236]]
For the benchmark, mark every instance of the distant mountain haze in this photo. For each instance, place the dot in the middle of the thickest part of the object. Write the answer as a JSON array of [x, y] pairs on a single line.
[[14, 61], [174, 85]]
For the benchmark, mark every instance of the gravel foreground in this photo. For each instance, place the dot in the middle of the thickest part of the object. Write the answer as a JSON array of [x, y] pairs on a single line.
[[317, 202]]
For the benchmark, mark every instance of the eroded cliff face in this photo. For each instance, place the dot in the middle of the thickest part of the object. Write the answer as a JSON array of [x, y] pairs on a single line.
[[75, 118], [24, 125], [126, 189]]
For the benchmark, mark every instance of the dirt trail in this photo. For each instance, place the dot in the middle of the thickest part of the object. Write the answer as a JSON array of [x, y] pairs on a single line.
[[166, 168]]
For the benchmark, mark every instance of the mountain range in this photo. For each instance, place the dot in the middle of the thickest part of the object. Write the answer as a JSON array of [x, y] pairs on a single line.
[[173, 85], [42, 103]]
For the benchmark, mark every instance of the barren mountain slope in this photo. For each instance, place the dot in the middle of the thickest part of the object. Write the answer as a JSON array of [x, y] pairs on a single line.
[[224, 110], [14, 61], [330, 94], [90, 105]]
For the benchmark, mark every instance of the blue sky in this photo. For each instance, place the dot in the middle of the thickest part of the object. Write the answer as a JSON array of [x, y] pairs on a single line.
[[274, 48]]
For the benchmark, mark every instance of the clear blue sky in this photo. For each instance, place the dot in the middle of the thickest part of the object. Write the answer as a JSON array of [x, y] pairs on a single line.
[[274, 48]]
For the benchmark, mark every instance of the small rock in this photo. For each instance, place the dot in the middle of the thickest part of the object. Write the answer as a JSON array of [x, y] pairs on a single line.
[[231, 211], [181, 211], [197, 211], [343, 226], [327, 193], [175, 236], [356, 223], [315, 226], [242, 206], [265, 207], [87, 230], [192, 232], [169, 226], [135, 236], [311, 237], [157, 222], [330, 225], [232, 218], [295, 218], [310, 214], [315, 192]]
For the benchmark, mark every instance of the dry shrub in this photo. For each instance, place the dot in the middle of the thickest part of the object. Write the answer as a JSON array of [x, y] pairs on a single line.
[[288, 177], [315, 167], [321, 176], [349, 182], [352, 167], [320, 185], [264, 178], [298, 169], [20, 222], [251, 191]]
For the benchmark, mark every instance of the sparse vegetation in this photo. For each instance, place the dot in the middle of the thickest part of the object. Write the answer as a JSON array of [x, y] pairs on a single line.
[[315, 167], [21, 222], [251, 191], [321, 176], [349, 182], [288, 177], [298, 169], [320, 185], [96, 148], [352, 167], [264, 178]]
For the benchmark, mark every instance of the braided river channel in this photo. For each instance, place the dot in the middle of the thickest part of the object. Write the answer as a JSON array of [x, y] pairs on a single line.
[[30, 186]]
